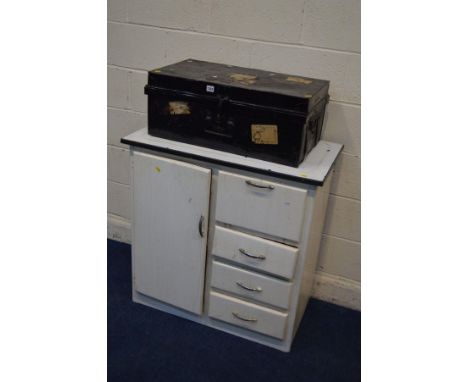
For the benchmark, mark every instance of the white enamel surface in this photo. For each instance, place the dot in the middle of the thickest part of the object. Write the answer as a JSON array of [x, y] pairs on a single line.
[[169, 253]]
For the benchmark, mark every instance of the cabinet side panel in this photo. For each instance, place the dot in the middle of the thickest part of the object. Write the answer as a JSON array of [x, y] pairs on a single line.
[[170, 230], [313, 246]]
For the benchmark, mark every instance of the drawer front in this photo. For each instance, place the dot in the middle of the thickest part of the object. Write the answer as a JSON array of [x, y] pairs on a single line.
[[261, 254], [262, 206], [251, 285], [247, 315]]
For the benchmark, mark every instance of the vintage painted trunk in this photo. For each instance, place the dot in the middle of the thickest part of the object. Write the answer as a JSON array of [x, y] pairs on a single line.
[[270, 116]]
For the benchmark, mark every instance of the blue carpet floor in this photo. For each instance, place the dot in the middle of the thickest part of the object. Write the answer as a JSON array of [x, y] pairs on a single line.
[[147, 345]]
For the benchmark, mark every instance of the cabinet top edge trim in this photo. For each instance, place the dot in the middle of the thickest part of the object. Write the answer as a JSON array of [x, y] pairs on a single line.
[[312, 171]]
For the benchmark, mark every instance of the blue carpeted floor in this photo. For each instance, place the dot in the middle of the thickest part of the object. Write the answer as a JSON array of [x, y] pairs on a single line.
[[147, 345]]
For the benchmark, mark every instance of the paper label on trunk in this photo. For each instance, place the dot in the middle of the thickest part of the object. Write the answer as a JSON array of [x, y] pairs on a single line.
[[264, 134], [245, 79], [299, 80], [179, 108]]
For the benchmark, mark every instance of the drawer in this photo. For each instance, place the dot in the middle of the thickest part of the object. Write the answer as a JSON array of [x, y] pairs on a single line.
[[257, 253], [247, 315], [262, 206], [251, 285]]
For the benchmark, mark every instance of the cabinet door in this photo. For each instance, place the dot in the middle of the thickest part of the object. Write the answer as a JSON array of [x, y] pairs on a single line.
[[170, 212]]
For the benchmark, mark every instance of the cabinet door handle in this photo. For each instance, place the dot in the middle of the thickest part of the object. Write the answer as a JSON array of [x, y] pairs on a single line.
[[268, 187], [200, 226], [251, 289], [258, 257], [249, 319]]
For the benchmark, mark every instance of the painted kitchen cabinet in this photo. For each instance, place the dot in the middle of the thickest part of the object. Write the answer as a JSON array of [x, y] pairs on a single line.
[[224, 240]]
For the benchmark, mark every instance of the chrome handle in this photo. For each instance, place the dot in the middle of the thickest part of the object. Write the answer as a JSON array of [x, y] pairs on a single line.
[[200, 225], [250, 183], [255, 289], [249, 319], [258, 257]]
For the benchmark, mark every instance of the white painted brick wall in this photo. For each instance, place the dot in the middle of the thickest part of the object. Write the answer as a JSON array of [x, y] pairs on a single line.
[[180, 14], [343, 218], [344, 125], [135, 46], [121, 123], [340, 257], [118, 169], [118, 199], [117, 88], [316, 38], [117, 10], [333, 24], [269, 20], [137, 97], [181, 45], [347, 178]]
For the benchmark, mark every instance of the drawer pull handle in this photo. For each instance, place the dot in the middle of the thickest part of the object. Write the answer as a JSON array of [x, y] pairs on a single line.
[[250, 183], [200, 225], [255, 289], [249, 319], [258, 257]]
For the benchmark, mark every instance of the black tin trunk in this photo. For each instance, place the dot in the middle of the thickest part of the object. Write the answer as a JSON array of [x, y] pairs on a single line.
[[264, 115]]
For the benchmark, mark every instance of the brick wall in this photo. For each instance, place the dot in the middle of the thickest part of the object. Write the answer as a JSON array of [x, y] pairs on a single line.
[[314, 38]]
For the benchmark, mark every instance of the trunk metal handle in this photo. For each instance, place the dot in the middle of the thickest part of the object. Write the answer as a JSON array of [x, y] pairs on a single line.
[[248, 319], [268, 187], [200, 226], [251, 289], [258, 257]]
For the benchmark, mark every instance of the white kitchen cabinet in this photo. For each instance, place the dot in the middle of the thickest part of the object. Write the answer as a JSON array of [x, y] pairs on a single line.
[[224, 240]]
